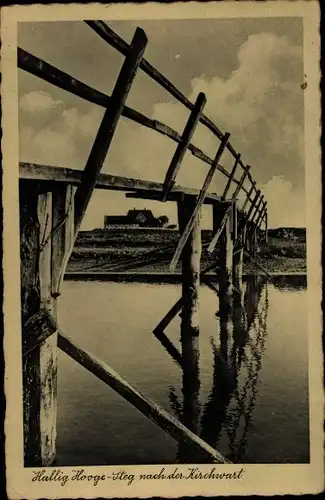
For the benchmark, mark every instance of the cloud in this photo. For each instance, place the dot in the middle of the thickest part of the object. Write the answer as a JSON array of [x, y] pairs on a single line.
[[286, 205], [39, 101], [260, 103], [50, 133]]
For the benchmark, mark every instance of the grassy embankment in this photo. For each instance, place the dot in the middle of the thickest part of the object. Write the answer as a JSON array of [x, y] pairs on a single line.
[[151, 251]]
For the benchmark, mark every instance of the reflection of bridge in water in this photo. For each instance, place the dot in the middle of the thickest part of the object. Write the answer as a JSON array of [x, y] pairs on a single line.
[[237, 360]]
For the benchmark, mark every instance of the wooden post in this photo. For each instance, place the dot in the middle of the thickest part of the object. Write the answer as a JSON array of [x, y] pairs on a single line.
[[191, 257], [225, 275], [40, 365]]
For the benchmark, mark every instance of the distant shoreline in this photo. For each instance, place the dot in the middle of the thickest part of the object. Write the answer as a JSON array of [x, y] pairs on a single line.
[[152, 277], [138, 252]]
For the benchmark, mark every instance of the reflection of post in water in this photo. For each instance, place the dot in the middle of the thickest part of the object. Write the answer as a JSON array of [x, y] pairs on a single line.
[[190, 327], [229, 402], [249, 363]]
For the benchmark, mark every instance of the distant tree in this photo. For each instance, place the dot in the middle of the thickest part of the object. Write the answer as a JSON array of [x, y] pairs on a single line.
[[162, 220]]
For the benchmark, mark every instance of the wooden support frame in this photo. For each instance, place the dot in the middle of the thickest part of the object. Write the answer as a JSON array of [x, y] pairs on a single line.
[[108, 125], [183, 145], [231, 177], [199, 203]]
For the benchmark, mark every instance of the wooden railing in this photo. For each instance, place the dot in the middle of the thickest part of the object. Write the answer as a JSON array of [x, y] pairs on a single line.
[[49, 73]]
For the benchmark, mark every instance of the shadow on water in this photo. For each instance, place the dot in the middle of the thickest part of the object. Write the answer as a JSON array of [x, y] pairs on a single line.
[[237, 350]]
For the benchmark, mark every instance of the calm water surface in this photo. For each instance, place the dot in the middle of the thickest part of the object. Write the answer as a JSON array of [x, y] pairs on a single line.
[[243, 387]]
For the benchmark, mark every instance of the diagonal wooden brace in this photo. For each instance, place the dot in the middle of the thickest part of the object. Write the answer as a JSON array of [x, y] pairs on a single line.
[[216, 237], [108, 125], [183, 145], [187, 231]]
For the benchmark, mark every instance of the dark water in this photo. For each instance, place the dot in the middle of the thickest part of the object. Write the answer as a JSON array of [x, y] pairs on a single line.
[[243, 387]]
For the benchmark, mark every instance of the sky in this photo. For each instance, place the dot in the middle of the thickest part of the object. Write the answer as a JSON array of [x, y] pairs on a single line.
[[251, 71]]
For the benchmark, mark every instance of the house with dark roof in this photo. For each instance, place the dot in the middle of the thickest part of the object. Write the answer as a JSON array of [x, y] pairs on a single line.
[[134, 218]]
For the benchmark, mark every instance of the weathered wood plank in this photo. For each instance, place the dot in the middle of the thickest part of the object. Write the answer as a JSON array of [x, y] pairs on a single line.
[[183, 145], [108, 125], [231, 177], [151, 410], [172, 196], [30, 304], [48, 362], [199, 202], [39, 365], [44, 173]]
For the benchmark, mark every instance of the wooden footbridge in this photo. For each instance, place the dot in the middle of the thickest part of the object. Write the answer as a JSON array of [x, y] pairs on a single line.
[[53, 202]]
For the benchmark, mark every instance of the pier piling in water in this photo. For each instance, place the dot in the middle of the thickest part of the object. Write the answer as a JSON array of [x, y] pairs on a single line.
[[191, 258]]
